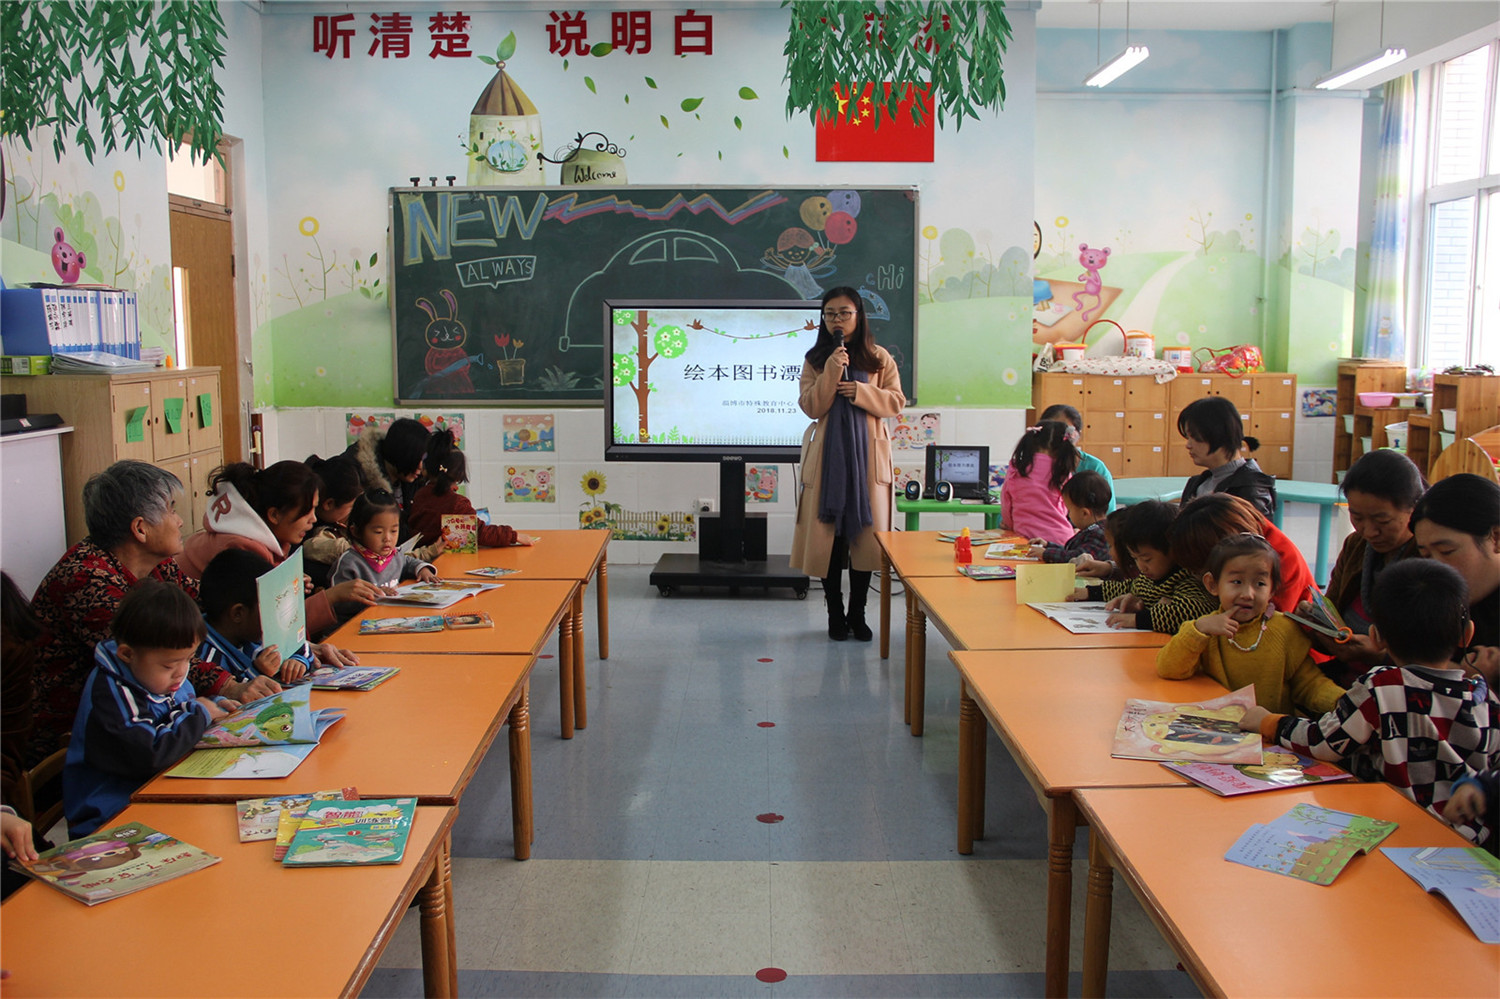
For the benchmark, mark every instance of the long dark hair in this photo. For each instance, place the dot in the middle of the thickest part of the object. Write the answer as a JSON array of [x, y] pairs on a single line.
[[861, 344], [445, 463], [1050, 436], [287, 485]]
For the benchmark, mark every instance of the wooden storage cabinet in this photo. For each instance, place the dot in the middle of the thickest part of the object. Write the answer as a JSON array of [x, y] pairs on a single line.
[[1130, 423], [1355, 377], [99, 407]]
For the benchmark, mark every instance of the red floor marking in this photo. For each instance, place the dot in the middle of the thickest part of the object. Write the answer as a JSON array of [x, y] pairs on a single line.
[[545, 655], [769, 818], [765, 660], [765, 724], [770, 975]]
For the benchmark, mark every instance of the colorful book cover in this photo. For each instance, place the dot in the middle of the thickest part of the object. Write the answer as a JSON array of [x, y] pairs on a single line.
[[401, 625], [115, 862], [1280, 769], [491, 572], [259, 817], [1308, 843], [461, 533], [281, 718], [1468, 877], [987, 571], [283, 610], [351, 677], [1204, 731], [243, 763], [460, 621], [372, 831], [290, 816]]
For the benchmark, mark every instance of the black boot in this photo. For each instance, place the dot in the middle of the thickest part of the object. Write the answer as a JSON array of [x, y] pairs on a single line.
[[838, 629], [859, 590]]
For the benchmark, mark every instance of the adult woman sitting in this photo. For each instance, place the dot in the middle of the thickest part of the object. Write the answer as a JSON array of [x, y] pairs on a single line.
[[1381, 489], [391, 459], [267, 511], [134, 531], [1457, 522], [1215, 436]]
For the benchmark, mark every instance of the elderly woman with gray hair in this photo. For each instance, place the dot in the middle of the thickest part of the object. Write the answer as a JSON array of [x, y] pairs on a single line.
[[134, 532]]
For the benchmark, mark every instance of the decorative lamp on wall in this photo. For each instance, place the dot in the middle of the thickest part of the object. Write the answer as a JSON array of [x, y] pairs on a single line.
[[1131, 57], [1382, 58]]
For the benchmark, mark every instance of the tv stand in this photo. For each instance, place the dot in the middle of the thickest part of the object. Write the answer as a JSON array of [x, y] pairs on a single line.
[[721, 560]]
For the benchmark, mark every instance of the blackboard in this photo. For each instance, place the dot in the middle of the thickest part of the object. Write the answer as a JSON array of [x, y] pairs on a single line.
[[497, 292]]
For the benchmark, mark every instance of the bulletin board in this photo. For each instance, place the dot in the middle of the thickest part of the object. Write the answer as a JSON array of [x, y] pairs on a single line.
[[497, 292]]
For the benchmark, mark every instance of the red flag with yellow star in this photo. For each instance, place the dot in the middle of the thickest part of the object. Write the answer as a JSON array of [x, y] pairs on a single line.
[[852, 135]]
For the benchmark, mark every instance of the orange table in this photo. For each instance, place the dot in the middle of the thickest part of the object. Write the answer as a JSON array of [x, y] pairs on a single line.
[[1057, 715], [525, 613], [973, 614], [421, 733], [1170, 846], [54, 946], [916, 553], [580, 555]]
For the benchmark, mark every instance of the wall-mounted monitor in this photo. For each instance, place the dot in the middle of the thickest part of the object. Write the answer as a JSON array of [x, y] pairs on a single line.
[[705, 379]]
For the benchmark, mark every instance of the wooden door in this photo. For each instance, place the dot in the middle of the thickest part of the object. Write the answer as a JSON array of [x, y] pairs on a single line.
[[203, 245]]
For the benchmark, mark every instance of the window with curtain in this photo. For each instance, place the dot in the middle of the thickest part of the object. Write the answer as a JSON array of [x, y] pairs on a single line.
[[1460, 312]]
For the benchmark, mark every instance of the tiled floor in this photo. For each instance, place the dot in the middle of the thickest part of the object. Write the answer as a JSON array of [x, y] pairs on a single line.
[[652, 874]]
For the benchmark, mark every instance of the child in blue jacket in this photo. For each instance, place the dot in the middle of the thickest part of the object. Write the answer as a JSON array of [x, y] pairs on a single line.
[[138, 714], [231, 608]]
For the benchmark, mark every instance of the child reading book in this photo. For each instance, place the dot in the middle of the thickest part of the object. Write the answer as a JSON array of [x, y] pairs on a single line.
[[1202, 522], [374, 525], [1246, 641], [1163, 595], [138, 714], [231, 610], [1031, 499], [1420, 725], [1085, 496], [446, 467]]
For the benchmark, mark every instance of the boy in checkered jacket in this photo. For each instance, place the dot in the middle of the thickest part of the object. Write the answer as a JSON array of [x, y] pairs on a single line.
[[1421, 725]]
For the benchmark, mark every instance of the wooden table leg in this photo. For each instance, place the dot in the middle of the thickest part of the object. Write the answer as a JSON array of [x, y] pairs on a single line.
[[565, 675], [520, 774], [452, 917], [601, 597], [1096, 920], [911, 644], [885, 605], [968, 717], [979, 753], [438, 954], [918, 680], [580, 687], [1062, 822]]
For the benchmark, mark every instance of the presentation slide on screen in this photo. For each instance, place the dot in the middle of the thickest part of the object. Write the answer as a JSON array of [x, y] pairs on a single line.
[[725, 376]]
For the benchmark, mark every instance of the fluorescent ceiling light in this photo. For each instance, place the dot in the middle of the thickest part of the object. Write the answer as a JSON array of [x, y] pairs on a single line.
[[1363, 68], [1123, 63]]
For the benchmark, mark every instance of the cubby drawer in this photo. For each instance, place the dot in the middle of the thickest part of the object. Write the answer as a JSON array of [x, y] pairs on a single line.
[[1148, 428], [1275, 459], [1274, 391], [1104, 392], [1145, 459], [1178, 461], [1240, 391], [1187, 388], [1103, 425], [1273, 427], [1055, 388], [1144, 394], [1113, 456]]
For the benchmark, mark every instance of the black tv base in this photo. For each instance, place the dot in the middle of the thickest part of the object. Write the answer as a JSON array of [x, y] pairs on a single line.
[[672, 571]]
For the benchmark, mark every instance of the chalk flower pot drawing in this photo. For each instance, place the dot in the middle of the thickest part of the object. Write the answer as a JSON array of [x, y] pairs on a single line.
[[512, 371]]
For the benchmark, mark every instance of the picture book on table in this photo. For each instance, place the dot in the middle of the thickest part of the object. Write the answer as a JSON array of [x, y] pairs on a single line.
[[283, 610], [258, 817], [1199, 732], [1468, 877], [1081, 618], [1281, 768], [1308, 843], [115, 862], [491, 572], [401, 625], [987, 571], [294, 809], [437, 594], [975, 537], [461, 533], [351, 677], [461, 621], [265, 738], [372, 831], [1016, 550]]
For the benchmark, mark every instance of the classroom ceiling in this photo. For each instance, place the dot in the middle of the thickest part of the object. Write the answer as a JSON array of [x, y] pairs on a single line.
[[1183, 15]]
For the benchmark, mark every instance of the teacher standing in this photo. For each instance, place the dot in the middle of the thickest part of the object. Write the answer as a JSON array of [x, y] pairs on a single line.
[[848, 385]]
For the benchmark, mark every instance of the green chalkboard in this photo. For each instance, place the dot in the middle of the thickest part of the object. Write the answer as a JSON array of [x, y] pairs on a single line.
[[497, 293]]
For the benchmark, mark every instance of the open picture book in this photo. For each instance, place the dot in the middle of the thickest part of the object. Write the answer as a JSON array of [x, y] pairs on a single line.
[[1281, 768], [1197, 732], [437, 594], [1468, 877], [1081, 618], [114, 862], [1309, 843], [265, 738]]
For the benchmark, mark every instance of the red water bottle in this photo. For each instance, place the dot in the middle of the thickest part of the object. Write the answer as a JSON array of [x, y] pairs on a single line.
[[963, 548]]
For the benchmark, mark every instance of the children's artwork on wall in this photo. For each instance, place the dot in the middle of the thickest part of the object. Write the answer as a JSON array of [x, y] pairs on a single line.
[[911, 431], [1319, 401], [761, 483], [997, 480], [355, 423], [530, 484], [529, 432], [596, 513]]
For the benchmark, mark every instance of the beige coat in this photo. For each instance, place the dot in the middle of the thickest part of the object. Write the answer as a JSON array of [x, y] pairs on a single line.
[[881, 396]]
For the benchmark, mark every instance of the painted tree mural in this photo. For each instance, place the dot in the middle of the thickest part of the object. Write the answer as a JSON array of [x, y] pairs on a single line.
[[633, 369]]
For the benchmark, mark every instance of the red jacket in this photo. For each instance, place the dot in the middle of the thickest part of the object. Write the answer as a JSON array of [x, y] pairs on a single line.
[[1295, 575], [426, 517]]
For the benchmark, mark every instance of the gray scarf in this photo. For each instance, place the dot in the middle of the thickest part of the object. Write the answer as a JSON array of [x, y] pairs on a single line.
[[845, 498]]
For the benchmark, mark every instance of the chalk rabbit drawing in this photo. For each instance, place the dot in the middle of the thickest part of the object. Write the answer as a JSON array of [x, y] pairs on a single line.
[[447, 363], [1093, 261]]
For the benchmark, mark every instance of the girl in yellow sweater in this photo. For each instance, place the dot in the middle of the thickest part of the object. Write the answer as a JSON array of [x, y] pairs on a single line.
[[1247, 641]]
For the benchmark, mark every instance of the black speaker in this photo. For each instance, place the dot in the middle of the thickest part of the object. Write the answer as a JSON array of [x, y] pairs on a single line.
[[943, 491], [913, 489]]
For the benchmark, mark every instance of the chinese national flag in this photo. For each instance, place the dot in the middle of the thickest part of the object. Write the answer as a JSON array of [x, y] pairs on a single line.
[[852, 136]]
